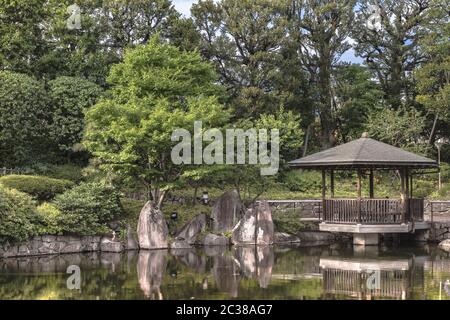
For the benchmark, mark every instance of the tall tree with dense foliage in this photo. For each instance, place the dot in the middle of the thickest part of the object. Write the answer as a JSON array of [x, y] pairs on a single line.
[[355, 96], [25, 118], [22, 43], [322, 29], [253, 53], [70, 98], [391, 49], [402, 128], [433, 76], [157, 89]]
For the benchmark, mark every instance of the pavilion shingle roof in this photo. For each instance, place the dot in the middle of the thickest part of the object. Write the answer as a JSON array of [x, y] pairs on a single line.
[[363, 152]]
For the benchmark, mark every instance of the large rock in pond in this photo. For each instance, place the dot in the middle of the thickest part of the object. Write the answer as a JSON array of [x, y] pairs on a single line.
[[227, 211], [285, 238], [132, 242], [108, 245], [256, 227], [192, 229], [316, 237], [152, 229], [445, 245], [215, 240]]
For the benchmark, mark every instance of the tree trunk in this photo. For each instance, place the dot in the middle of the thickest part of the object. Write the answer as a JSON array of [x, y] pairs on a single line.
[[433, 130]]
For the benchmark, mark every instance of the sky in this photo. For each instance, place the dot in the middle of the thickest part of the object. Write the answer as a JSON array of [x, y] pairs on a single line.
[[184, 7]]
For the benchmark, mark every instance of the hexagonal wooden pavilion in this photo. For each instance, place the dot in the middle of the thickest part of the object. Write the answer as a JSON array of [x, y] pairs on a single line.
[[366, 218]]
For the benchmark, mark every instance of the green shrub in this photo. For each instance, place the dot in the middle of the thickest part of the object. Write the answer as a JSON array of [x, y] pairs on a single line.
[[50, 218], [17, 215], [87, 208], [67, 172], [287, 222], [302, 181], [41, 188]]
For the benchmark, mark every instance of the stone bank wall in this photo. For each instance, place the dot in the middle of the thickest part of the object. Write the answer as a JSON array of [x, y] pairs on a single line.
[[43, 245]]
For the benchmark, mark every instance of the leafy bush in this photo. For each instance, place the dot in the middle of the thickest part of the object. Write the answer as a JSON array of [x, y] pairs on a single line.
[[302, 181], [67, 172], [50, 219], [24, 119], [87, 208], [287, 222], [17, 215], [70, 97], [41, 188]]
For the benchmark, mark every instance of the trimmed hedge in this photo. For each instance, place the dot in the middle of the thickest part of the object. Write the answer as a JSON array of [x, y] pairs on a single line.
[[87, 209], [66, 172], [17, 215], [51, 219], [40, 187]]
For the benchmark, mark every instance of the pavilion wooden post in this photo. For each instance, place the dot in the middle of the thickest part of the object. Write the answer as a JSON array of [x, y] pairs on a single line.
[[332, 183], [324, 181], [358, 189], [403, 196], [371, 194], [407, 202], [411, 186]]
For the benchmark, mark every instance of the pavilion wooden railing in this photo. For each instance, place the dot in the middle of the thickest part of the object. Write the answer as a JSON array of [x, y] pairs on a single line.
[[393, 283], [416, 209], [372, 211]]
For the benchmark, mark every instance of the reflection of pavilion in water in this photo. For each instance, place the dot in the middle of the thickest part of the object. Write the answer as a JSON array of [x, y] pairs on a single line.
[[376, 278]]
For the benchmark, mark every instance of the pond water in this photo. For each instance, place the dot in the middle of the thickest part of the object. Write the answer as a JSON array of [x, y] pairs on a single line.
[[331, 272]]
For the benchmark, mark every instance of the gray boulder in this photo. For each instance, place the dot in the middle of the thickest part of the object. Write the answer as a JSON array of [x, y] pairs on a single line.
[[108, 245], [180, 244], [264, 224], [132, 242], [283, 237], [318, 237], [256, 227], [445, 245], [192, 229], [227, 211], [215, 240], [152, 229]]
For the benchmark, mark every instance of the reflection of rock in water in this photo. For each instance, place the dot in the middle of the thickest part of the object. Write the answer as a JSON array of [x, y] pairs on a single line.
[[191, 259], [131, 259], [213, 251], [265, 264], [226, 273], [150, 269], [256, 262], [110, 260]]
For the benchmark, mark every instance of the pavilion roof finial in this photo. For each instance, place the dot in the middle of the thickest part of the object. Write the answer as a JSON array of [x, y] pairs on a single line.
[[365, 135]]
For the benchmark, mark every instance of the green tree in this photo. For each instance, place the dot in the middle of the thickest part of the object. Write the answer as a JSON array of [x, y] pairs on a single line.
[[401, 128], [433, 76], [22, 43], [70, 98], [157, 89], [321, 29], [24, 119], [392, 50], [355, 96], [253, 53]]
